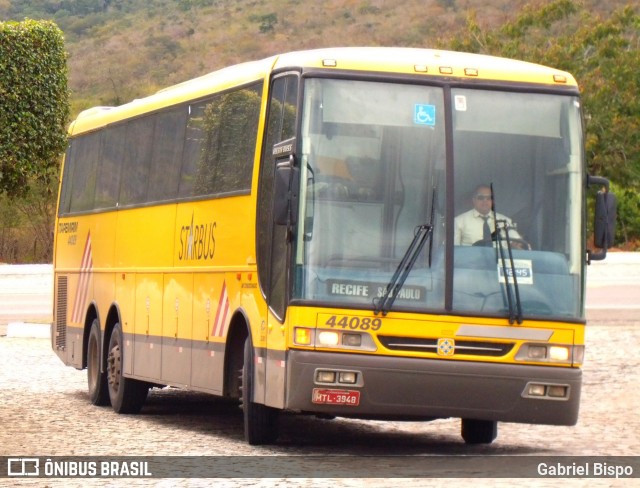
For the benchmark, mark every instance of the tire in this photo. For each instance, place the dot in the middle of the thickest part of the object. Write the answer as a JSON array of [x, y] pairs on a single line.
[[479, 431], [127, 395], [260, 421], [96, 379]]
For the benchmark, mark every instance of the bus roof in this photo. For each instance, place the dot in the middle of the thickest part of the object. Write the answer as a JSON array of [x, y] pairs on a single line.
[[415, 61], [435, 62]]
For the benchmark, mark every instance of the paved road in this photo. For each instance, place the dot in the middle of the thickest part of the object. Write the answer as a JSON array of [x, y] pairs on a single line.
[[45, 412]]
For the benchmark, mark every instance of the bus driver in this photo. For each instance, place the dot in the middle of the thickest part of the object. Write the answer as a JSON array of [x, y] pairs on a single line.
[[475, 226]]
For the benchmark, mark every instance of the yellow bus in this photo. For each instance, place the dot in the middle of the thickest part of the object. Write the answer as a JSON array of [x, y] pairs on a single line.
[[286, 233]]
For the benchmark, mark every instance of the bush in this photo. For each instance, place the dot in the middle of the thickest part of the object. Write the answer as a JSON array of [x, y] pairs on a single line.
[[34, 103], [34, 112]]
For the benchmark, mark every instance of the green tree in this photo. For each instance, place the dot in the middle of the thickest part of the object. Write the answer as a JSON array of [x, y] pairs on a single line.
[[603, 54], [34, 104], [267, 22], [628, 215], [37, 208], [9, 223]]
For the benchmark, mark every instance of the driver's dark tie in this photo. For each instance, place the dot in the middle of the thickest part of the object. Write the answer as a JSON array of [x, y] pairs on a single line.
[[486, 231]]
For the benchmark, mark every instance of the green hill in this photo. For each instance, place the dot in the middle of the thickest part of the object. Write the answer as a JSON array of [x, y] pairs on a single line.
[[124, 49]]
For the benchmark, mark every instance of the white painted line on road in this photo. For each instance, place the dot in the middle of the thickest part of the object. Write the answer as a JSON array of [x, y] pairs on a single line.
[[22, 330]]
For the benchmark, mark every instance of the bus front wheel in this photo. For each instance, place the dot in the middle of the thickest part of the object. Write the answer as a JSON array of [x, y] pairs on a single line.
[[259, 420], [479, 431], [127, 395], [96, 379]]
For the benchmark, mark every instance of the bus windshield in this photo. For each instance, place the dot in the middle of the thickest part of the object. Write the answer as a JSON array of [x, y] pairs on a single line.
[[373, 160]]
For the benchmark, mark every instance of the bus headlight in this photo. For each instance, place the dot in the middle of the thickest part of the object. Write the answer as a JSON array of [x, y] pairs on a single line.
[[323, 376], [536, 390], [547, 391], [537, 352], [338, 377], [551, 353], [338, 339], [559, 353], [558, 391], [327, 338], [347, 377], [334, 339], [351, 340]]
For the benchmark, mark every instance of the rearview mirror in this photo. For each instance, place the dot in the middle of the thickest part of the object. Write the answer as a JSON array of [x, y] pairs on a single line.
[[604, 228], [605, 219]]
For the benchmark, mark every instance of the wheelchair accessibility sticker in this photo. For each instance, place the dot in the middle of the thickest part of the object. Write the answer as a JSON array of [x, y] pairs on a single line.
[[424, 114]]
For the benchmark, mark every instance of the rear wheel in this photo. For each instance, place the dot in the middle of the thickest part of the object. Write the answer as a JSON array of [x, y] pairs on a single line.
[[259, 420], [479, 431], [96, 379], [127, 395]]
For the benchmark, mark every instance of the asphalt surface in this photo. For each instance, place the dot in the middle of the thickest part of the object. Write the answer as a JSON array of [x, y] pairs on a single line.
[[45, 412]]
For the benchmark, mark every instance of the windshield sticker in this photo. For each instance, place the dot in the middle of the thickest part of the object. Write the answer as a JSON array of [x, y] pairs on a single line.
[[461, 103], [424, 114], [522, 268]]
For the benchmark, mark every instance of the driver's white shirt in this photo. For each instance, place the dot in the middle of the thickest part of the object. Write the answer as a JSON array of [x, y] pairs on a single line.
[[468, 227]]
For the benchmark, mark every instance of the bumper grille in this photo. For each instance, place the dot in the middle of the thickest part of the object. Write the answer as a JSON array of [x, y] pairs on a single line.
[[467, 348]]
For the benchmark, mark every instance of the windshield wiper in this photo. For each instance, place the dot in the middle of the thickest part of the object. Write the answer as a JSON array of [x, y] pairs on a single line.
[[500, 226], [434, 194], [385, 302]]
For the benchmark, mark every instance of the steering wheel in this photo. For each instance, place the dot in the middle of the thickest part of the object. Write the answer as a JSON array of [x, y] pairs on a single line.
[[516, 243], [520, 244]]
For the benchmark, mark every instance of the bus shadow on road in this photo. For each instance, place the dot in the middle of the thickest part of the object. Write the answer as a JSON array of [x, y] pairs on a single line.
[[194, 412], [372, 438]]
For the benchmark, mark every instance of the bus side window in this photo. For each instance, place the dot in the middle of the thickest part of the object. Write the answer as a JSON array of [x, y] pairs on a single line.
[[110, 167], [137, 159], [221, 136], [168, 141], [85, 172], [65, 189]]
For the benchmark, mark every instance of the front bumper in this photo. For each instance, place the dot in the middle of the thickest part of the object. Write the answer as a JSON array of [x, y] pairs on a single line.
[[392, 387]]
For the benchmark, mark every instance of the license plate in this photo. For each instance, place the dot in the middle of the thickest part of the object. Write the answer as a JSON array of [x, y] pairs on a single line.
[[336, 397]]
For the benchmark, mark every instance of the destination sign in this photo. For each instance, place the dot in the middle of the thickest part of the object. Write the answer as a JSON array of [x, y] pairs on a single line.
[[360, 289]]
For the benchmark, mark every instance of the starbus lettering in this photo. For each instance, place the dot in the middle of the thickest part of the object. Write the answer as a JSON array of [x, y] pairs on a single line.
[[197, 241]]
